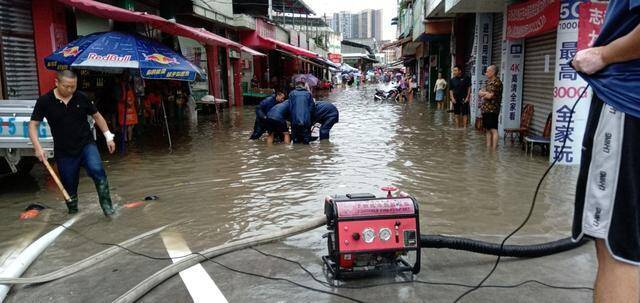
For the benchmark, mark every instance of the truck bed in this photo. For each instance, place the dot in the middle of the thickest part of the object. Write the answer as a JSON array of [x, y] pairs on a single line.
[[14, 126]]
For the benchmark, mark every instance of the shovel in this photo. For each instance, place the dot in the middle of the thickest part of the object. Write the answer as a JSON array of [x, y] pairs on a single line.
[[57, 180]]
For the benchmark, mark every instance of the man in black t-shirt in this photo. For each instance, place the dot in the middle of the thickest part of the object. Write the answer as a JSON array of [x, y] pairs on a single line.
[[460, 93], [66, 111]]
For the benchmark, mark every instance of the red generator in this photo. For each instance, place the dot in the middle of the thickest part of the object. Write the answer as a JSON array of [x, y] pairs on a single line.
[[369, 235]]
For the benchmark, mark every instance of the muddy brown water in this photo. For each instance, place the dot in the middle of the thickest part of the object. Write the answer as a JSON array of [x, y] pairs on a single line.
[[226, 187]]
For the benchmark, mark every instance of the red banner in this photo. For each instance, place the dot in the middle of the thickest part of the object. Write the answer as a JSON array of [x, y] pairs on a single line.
[[532, 18], [590, 23], [335, 58]]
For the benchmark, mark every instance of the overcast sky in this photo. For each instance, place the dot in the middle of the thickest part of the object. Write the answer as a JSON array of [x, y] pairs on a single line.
[[389, 10]]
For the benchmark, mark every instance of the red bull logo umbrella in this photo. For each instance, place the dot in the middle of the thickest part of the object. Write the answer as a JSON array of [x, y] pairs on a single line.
[[115, 51]]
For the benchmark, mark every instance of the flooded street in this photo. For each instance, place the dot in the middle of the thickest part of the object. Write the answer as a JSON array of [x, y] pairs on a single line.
[[224, 187]]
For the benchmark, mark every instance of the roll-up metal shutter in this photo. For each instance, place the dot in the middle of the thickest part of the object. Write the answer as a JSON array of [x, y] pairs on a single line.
[[496, 42], [538, 83], [17, 50]]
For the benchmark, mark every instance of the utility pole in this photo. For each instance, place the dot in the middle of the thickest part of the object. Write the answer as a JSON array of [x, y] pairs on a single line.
[[270, 9]]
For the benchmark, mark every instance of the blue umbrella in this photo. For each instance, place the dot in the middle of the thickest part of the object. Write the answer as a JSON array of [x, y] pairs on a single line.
[[115, 51]]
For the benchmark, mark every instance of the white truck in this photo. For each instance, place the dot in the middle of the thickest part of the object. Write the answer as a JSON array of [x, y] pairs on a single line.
[[16, 150]]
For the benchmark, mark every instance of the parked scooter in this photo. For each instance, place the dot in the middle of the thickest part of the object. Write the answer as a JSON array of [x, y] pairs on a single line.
[[387, 92]]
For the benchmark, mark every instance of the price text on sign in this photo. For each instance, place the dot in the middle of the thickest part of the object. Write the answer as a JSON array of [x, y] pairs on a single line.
[[569, 92]]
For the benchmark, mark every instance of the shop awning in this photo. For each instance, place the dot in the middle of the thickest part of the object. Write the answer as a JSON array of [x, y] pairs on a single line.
[[436, 30], [107, 11], [252, 51], [290, 48], [359, 56], [396, 43], [327, 62], [257, 41]]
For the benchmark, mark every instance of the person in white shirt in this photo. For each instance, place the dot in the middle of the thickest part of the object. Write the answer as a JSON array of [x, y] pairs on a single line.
[[439, 89]]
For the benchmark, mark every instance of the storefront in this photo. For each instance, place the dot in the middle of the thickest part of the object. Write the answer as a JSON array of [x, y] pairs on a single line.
[[18, 69], [282, 62], [539, 68], [436, 55], [539, 54], [220, 58]]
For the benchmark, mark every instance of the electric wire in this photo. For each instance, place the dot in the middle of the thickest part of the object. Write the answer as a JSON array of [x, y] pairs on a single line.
[[419, 281], [533, 202], [198, 254], [307, 271]]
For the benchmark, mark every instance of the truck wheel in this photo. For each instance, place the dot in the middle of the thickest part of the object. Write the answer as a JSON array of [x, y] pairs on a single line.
[[25, 165]]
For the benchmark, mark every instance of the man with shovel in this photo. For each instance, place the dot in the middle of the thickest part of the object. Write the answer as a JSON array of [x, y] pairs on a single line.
[[66, 111]]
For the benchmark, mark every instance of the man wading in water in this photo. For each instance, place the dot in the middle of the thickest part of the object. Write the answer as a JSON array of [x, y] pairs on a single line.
[[66, 112]]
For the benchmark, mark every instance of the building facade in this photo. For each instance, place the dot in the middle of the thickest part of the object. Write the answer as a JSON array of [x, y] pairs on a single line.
[[364, 24], [532, 60]]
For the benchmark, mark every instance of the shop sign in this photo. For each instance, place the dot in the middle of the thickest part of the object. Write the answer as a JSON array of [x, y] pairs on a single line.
[[590, 23], [234, 54], [532, 18], [196, 53], [335, 58], [293, 38], [302, 41], [482, 50], [265, 29], [511, 73], [418, 20], [568, 86]]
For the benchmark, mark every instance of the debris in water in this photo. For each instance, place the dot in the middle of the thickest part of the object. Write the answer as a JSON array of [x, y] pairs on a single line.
[[32, 211], [134, 204]]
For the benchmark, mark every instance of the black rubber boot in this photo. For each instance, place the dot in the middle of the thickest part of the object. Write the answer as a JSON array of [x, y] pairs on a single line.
[[72, 205], [102, 187]]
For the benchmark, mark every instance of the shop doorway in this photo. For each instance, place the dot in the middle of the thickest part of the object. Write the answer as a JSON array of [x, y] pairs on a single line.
[[223, 73]]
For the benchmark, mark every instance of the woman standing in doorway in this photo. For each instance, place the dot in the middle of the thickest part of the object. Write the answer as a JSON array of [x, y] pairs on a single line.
[[439, 89]]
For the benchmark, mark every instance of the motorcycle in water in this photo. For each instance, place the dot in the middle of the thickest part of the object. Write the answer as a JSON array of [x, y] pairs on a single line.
[[387, 92]]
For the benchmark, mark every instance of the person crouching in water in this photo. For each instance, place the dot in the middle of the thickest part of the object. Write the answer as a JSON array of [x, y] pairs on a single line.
[[276, 122], [327, 115], [301, 106], [260, 126]]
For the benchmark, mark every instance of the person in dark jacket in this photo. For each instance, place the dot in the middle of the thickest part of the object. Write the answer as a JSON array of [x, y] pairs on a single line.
[[327, 115], [276, 122], [260, 126], [301, 106]]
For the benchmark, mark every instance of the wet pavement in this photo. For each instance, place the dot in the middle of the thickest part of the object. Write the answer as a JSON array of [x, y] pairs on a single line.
[[226, 188]]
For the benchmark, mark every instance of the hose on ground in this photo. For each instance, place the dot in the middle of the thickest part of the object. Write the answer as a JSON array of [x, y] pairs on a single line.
[[426, 241], [160, 276], [487, 248], [82, 264]]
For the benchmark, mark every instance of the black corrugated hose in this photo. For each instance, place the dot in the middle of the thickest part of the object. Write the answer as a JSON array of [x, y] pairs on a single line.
[[487, 248]]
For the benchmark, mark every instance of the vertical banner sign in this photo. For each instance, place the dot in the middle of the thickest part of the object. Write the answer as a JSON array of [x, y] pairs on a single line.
[[568, 87], [482, 45], [590, 24], [511, 71]]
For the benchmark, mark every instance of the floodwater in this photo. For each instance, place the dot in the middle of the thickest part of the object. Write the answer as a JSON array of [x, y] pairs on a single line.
[[225, 187]]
